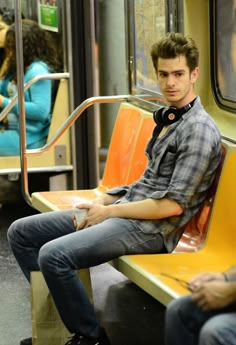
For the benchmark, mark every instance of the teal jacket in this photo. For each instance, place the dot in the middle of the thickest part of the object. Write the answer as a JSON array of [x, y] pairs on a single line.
[[37, 104]]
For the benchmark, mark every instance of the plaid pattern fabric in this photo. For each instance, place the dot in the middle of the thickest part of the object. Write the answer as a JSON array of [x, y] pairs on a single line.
[[181, 166]]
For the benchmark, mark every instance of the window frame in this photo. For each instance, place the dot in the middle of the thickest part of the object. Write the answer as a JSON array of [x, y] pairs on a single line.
[[173, 10], [223, 101]]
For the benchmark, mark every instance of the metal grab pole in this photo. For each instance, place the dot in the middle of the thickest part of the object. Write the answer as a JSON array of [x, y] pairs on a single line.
[[78, 112], [65, 126], [69, 122], [20, 91], [14, 100]]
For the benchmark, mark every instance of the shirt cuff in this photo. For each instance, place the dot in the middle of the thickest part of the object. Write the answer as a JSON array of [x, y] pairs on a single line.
[[122, 190]]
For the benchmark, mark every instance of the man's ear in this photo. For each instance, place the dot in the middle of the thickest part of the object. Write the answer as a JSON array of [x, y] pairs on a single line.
[[194, 74]]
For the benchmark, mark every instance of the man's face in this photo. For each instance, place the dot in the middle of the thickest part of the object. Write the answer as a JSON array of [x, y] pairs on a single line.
[[175, 80]]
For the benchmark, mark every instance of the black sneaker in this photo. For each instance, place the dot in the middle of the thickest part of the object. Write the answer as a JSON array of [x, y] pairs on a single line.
[[27, 341], [80, 340]]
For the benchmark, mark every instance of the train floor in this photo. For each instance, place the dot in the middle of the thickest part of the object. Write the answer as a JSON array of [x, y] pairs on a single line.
[[130, 316]]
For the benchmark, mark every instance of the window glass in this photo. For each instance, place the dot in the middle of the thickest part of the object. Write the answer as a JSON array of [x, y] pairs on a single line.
[[226, 51], [147, 22], [224, 48], [149, 27]]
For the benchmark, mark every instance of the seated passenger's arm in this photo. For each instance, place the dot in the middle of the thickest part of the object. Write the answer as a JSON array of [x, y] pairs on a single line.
[[38, 106], [228, 275], [38, 96], [214, 295], [106, 199], [146, 209]]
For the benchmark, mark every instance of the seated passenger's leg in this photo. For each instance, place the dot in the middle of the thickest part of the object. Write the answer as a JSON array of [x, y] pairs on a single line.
[[60, 258], [49, 241], [183, 322], [219, 330], [27, 235]]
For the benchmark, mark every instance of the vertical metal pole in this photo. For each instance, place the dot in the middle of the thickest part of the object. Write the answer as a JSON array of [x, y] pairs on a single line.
[[68, 38], [21, 103]]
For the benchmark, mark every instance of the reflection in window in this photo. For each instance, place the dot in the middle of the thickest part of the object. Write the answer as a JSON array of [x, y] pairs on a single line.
[[149, 20], [150, 26], [226, 48]]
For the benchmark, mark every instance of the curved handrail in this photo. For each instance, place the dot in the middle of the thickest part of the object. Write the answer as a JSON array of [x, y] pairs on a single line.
[[27, 85], [74, 116], [66, 125]]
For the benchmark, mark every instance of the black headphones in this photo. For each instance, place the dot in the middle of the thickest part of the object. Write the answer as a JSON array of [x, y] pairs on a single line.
[[165, 117]]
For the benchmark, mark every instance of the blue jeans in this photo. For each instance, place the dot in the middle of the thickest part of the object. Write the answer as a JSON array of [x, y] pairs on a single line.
[[187, 324], [49, 242]]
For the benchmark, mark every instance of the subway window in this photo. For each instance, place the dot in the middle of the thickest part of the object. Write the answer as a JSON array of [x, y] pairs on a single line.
[[223, 47], [148, 21]]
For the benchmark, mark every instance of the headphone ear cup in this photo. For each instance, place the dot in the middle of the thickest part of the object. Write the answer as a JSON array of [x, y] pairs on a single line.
[[157, 116], [165, 116], [171, 115]]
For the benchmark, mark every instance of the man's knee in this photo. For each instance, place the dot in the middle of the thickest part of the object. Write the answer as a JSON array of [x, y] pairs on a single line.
[[51, 257], [218, 331], [14, 231], [172, 314], [46, 256], [182, 304], [172, 309], [178, 311], [209, 334]]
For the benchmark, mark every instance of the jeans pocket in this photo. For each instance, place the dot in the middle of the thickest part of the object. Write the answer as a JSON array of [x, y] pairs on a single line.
[[149, 244]]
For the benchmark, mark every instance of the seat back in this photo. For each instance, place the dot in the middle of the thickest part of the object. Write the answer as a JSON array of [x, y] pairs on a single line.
[[122, 145], [221, 235], [195, 232], [139, 159], [125, 161]]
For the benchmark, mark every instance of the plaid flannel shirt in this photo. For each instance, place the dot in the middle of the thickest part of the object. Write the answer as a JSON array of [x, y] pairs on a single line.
[[181, 166]]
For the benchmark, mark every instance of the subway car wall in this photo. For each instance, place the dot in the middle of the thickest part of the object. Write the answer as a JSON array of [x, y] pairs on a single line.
[[110, 31], [112, 64], [211, 86]]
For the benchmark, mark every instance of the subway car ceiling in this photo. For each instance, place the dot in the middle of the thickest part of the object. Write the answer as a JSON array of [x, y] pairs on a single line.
[[212, 25]]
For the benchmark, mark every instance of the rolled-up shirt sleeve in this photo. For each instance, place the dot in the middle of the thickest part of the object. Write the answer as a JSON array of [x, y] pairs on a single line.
[[121, 190]]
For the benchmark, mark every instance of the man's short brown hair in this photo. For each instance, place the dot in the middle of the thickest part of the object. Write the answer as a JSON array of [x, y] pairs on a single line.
[[173, 45]]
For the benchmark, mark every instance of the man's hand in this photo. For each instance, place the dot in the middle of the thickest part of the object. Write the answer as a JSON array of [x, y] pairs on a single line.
[[213, 295], [203, 278], [90, 218], [97, 213]]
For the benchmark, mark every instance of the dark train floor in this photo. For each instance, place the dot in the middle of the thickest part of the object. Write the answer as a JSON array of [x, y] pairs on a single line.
[[130, 316]]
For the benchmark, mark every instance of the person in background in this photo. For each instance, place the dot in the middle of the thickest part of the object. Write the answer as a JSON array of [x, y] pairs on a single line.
[[7, 17], [208, 315], [40, 57], [145, 217]]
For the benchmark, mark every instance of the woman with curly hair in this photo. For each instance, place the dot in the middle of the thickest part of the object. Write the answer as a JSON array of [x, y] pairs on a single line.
[[7, 17], [40, 57]]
